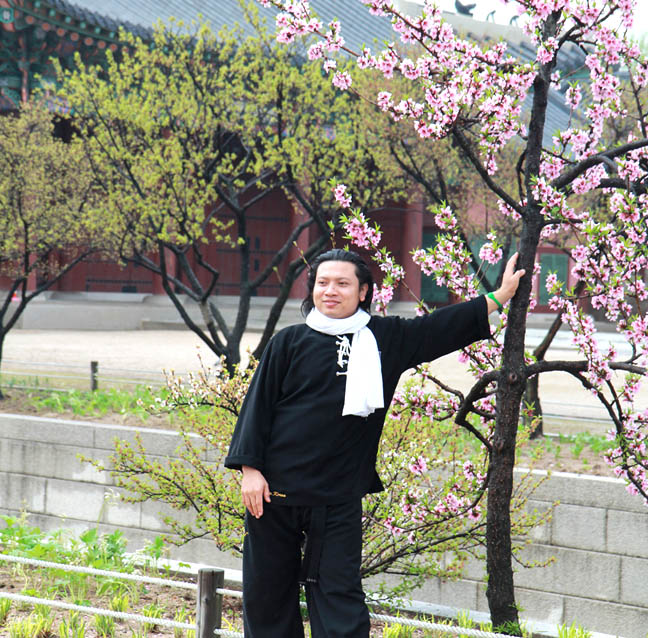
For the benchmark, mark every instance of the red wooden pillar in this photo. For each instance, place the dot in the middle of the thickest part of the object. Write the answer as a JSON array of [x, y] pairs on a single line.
[[31, 280], [32, 274], [298, 216], [171, 267], [56, 264], [411, 238]]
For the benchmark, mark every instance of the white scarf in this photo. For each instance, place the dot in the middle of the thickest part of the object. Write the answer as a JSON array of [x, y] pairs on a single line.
[[364, 386]]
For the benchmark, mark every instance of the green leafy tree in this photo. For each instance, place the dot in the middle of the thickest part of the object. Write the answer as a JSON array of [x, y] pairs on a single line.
[[188, 133], [46, 193]]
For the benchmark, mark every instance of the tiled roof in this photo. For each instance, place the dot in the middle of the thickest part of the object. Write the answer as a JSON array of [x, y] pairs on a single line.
[[359, 27]]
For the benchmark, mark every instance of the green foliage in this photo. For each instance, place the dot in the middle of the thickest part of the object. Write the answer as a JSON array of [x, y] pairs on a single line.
[[573, 631], [72, 626], [513, 628], [99, 402], [105, 551], [46, 190], [398, 631], [34, 626], [105, 626], [153, 551], [182, 615], [120, 603], [598, 443], [152, 611], [90, 549]]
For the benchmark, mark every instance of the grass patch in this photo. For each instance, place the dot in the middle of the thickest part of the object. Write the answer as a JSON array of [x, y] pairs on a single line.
[[100, 402], [89, 549]]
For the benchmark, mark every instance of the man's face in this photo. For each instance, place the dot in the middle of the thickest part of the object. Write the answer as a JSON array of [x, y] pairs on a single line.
[[337, 292]]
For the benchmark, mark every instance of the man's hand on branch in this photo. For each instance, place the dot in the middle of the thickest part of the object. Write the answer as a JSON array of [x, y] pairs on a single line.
[[510, 283], [254, 490]]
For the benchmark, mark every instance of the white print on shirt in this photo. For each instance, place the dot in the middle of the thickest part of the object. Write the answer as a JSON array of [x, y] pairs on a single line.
[[344, 349]]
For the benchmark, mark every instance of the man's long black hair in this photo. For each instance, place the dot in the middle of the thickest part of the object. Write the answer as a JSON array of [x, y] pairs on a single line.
[[361, 269]]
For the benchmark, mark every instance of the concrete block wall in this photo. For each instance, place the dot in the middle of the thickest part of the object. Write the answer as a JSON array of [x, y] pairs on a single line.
[[41, 473], [598, 534], [598, 541]]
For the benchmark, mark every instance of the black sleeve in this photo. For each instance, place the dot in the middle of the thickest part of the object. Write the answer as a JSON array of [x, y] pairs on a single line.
[[255, 418], [445, 330]]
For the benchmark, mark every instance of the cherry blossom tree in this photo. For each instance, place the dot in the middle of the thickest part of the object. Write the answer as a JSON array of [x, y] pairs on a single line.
[[473, 94]]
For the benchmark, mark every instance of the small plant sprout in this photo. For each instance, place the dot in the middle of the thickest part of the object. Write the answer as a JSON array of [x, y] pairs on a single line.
[[5, 608], [105, 626], [72, 626], [573, 631]]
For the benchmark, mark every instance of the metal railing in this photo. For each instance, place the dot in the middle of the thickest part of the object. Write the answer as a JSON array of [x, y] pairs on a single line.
[[209, 597], [38, 375]]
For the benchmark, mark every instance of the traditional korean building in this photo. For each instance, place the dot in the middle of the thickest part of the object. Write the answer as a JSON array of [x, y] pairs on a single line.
[[34, 31]]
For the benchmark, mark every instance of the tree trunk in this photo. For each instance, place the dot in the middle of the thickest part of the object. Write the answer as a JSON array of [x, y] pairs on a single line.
[[511, 385], [512, 376]]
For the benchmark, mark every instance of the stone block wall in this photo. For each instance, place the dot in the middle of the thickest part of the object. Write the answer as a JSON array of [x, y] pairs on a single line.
[[598, 534]]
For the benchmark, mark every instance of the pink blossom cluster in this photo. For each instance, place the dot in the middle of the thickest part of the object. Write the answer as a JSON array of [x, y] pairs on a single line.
[[294, 21], [390, 524], [612, 260], [359, 230], [508, 211], [590, 179], [583, 337], [341, 196], [383, 296], [453, 505], [552, 200], [547, 50], [449, 262], [573, 96], [445, 219], [460, 76], [418, 466], [342, 80], [419, 404], [551, 166], [629, 460], [472, 474], [491, 251]]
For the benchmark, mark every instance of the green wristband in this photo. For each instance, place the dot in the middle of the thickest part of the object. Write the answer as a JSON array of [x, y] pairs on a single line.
[[491, 295]]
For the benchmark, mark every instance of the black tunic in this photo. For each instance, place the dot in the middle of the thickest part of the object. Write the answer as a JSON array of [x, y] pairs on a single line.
[[291, 426]]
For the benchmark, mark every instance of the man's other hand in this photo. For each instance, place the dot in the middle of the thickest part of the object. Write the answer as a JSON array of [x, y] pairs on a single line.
[[254, 490]]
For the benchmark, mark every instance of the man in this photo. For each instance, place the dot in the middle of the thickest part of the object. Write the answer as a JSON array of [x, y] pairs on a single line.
[[307, 438]]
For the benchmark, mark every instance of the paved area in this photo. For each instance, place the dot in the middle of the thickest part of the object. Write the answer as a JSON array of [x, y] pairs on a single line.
[[123, 350], [146, 353]]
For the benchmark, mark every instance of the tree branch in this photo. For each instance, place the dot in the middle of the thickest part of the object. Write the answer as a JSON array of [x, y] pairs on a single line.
[[569, 176]]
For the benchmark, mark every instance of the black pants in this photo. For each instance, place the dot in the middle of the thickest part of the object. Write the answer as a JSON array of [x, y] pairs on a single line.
[[271, 573]]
